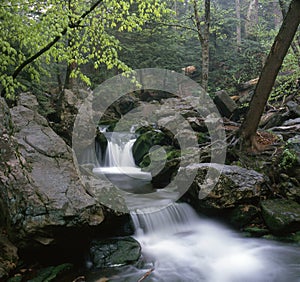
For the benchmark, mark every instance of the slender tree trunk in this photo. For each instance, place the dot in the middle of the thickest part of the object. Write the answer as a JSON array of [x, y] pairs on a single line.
[[205, 46], [203, 36], [252, 17], [277, 14], [268, 75], [238, 25], [296, 43], [69, 81]]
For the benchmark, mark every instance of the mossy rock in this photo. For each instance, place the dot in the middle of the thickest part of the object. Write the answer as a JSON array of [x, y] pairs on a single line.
[[242, 215], [281, 216], [147, 140], [51, 273], [114, 252]]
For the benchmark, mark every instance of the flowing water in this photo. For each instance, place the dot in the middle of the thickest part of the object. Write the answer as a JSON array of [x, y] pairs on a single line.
[[179, 246], [119, 165]]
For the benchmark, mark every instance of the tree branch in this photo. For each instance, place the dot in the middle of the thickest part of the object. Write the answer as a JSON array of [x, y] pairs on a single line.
[[198, 22], [53, 42]]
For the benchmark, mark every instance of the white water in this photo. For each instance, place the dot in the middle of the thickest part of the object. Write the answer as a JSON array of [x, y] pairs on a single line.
[[119, 165], [183, 247]]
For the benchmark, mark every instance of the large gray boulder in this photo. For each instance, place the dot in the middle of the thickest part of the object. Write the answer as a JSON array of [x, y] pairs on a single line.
[[41, 195], [228, 186]]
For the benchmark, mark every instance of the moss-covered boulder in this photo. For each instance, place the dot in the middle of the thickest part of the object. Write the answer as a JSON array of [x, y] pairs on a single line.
[[147, 140], [281, 216], [242, 215], [114, 252]]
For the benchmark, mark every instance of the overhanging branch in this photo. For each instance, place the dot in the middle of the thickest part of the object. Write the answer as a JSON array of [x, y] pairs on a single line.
[[53, 42]]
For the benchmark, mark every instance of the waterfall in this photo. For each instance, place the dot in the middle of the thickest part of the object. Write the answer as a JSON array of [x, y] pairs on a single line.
[[119, 165], [182, 247], [119, 150]]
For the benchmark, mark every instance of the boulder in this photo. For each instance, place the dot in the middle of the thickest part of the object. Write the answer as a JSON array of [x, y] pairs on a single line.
[[281, 216], [41, 193], [294, 108], [114, 252], [224, 103], [234, 186]]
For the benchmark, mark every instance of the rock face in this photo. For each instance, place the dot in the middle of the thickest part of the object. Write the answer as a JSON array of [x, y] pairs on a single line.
[[234, 187], [114, 252], [281, 216], [41, 193]]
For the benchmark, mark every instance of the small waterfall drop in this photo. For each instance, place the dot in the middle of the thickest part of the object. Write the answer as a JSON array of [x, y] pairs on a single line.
[[182, 247], [119, 150], [119, 166]]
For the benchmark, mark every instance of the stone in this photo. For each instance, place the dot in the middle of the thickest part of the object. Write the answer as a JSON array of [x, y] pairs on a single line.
[[281, 216], [147, 140], [294, 108], [242, 215], [51, 273], [41, 193], [114, 252], [234, 186], [224, 103]]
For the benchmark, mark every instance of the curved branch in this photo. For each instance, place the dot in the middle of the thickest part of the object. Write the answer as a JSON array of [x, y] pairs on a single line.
[[53, 42]]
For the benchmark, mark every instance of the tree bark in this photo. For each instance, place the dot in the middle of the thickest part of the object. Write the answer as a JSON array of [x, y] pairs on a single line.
[[204, 39], [205, 46], [238, 25], [268, 75], [252, 17], [296, 43]]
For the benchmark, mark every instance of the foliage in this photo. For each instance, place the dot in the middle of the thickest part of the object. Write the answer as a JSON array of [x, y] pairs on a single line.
[[34, 33], [118, 35], [289, 159]]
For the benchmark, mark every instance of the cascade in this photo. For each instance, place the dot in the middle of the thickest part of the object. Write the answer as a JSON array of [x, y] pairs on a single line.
[[180, 246], [119, 165], [184, 247]]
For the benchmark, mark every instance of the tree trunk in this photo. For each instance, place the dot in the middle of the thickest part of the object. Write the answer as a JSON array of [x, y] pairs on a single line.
[[252, 17], [268, 75], [238, 25], [205, 46], [204, 39], [296, 43], [277, 14]]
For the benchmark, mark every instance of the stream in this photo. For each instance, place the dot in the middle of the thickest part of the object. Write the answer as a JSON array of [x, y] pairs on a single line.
[[180, 246]]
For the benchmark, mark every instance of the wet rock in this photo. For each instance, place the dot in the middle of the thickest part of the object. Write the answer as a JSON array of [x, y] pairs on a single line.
[[273, 119], [225, 187], [294, 108], [224, 103], [41, 193], [147, 140], [114, 252], [243, 215], [281, 216], [8, 256]]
